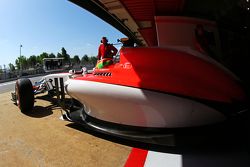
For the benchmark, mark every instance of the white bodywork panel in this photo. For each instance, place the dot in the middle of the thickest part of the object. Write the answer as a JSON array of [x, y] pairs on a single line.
[[137, 107], [65, 77]]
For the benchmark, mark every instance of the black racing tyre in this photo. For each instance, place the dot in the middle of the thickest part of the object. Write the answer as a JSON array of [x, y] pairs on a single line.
[[24, 95]]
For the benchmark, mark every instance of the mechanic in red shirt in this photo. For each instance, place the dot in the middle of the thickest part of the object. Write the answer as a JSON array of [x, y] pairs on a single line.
[[106, 50]]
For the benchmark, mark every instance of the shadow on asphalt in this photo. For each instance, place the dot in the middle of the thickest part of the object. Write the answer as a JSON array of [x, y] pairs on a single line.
[[43, 111], [40, 112], [224, 138], [194, 149]]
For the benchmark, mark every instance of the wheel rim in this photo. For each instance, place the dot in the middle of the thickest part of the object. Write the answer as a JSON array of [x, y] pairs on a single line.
[[17, 95]]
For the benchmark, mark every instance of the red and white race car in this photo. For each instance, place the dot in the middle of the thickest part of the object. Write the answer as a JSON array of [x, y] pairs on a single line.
[[138, 96]]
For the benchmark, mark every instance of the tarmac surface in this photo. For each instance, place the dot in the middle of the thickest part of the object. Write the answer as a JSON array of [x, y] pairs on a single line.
[[42, 139], [10, 85]]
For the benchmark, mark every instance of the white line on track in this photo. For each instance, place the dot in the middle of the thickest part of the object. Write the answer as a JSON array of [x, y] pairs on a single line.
[[8, 83]]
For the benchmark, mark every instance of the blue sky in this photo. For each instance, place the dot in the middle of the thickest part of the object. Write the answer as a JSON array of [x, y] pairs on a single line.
[[47, 26]]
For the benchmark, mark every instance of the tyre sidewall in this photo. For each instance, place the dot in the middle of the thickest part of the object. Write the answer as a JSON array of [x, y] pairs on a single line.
[[25, 95]]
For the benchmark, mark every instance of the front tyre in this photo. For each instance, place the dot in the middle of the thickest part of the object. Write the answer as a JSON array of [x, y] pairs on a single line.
[[24, 95]]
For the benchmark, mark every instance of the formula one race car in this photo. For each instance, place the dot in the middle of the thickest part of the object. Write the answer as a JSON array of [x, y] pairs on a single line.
[[137, 97]]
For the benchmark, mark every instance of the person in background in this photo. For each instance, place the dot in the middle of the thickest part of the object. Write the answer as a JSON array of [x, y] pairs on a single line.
[[105, 55], [106, 50]]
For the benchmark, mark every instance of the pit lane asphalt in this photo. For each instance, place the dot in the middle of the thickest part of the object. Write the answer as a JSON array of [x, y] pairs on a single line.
[[42, 139]]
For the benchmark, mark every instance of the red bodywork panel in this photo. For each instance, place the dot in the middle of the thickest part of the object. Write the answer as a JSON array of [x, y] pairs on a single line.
[[170, 71]]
